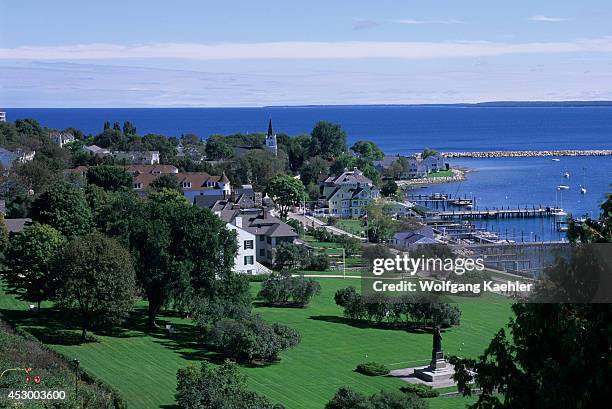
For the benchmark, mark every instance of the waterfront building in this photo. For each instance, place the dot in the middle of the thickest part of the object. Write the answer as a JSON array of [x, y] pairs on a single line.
[[411, 167], [348, 194], [271, 144], [2, 116]]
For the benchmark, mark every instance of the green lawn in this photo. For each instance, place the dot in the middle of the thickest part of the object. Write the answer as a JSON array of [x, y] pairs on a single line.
[[350, 225], [441, 174], [142, 365]]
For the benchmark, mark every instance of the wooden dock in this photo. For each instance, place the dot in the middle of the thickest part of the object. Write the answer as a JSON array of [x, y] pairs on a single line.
[[498, 213]]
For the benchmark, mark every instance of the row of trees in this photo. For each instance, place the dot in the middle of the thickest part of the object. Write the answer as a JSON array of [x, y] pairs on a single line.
[[408, 310]]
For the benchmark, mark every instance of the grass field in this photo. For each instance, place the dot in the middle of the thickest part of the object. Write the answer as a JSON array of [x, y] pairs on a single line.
[[143, 365], [350, 225]]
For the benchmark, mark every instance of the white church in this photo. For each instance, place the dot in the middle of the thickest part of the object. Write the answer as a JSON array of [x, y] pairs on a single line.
[[271, 140]]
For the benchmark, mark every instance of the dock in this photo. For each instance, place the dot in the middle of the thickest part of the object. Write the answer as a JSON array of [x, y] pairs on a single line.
[[497, 213], [440, 200]]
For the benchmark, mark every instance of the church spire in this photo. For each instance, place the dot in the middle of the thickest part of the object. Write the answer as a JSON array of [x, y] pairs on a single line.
[[270, 133]]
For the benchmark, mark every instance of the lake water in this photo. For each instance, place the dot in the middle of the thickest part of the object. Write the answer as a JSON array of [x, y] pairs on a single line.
[[525, 182]]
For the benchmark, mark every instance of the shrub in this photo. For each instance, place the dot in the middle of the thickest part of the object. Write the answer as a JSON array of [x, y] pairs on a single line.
[[346, 398], [372, 369], [318, 262], [285, 290], [422, 391]]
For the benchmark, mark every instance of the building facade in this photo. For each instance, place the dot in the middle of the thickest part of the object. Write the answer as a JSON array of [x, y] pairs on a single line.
[[61, 138], [349, 194], [244, 262]]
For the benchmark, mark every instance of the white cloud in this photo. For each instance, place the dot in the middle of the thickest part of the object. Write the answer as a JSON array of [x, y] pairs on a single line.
[[303, 50], [548, 19], [418, 22]]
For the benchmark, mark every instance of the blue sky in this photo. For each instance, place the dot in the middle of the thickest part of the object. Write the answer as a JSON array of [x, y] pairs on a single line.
[[253, 53]]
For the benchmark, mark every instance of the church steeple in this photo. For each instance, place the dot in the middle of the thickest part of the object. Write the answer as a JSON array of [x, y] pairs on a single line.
[[271, 139], [270, 133]]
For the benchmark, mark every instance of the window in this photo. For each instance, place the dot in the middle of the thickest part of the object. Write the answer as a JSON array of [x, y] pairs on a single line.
[[137, 185], [248, 260], [248, 244], [261, 238], [262, 253], [269, 240]]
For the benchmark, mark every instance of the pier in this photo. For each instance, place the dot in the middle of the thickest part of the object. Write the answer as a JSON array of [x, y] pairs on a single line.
[[497, 213], [440, 199]]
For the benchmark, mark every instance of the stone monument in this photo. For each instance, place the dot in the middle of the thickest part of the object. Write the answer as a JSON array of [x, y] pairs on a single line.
[[438, 370]]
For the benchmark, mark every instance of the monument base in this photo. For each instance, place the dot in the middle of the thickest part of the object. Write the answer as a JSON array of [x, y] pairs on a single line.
[[441, 372]]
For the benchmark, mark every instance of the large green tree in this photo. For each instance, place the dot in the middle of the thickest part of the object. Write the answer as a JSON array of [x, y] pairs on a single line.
[[177, 246], [327, 140], [97, 280], [64, 207], [109, 177], [287, 192], [379, 225], [314, 169], [367, 150], [29, 261], [217, 387]]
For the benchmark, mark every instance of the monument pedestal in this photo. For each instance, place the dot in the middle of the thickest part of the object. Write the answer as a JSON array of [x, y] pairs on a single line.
[[438, 370]]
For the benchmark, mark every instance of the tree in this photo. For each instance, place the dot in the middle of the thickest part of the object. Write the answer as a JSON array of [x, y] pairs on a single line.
[[279, 289], [217, 148], [389, 188], [166, 181], [313, 170], [593, 230], [63, 206], [4, 237], [379, 225], [178, 246], [217, 387], [129, 129], [298, 151], [251, 338], [30, 259], [98, 280], [328, 140], [557, 356], [428, 152], [368, 150], [286, 192], [346, 398], [289, 256], [109, 177]]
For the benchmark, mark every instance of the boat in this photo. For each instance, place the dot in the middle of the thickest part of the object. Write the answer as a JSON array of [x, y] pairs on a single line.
[[583, 190], [566, 175], [562, 187], [555, 159]]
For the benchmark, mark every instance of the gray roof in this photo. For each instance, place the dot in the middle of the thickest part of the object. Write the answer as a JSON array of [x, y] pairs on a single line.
[[16, 225], [256, 222]]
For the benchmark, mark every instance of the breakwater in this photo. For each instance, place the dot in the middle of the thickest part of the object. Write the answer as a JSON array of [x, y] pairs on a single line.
[[522, 154]]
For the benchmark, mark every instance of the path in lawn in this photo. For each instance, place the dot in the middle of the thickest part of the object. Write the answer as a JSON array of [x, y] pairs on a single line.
[[142, 365]]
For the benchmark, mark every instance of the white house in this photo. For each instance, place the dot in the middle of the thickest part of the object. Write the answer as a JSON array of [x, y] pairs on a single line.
[[95, 150], [61, 138], [138, 157], [245, 260], [2, 116]]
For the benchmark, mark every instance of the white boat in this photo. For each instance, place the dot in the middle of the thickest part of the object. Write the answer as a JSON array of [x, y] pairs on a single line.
[[562, 187], [583, 190], [555, 159], [566, 175]]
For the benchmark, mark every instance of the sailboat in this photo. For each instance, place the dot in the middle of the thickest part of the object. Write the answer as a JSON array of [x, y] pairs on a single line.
[[583, 188], [566, 175]]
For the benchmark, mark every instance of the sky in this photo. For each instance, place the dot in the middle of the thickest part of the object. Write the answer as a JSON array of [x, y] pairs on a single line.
[[135, 53]]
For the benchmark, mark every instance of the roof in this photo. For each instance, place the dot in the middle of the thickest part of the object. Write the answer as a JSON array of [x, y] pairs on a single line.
[[349, 177], [151, 169], [16, 225], [259, 222], [413, 238]]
